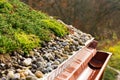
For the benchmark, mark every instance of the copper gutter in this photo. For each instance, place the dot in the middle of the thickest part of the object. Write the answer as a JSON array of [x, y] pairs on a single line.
[[86, 64]]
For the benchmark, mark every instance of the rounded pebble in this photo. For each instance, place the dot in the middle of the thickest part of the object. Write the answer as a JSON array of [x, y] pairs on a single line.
[[39, 74]]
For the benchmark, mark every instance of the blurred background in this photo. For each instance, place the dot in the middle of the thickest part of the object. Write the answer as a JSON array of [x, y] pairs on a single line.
[[100, 18]]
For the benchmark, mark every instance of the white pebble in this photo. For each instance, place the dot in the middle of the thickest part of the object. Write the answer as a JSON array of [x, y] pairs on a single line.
[[27, 61]]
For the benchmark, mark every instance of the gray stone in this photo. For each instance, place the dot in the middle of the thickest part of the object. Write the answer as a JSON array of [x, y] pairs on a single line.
[[40, 64], [60, 60], [48, 56], [49, 69], [48, 64], [44, 70], [33, 70], [64, 43], [53, 48], [49, 50], [34, 66], [76, 43], [54, 66], [3, 78], [40, 58]]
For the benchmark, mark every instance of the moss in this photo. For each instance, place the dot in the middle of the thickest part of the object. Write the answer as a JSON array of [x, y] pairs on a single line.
[[27, 41], [25, 28], [58, 29], [5, 6], [7, 44]]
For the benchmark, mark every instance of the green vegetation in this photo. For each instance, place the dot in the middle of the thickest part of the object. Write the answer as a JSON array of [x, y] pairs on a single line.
[[114, 48], [26, 41], [22, 28], [114, 61], [109, 74]]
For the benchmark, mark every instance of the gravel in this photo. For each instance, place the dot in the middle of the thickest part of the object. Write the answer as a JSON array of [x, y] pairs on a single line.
[[44, 60]]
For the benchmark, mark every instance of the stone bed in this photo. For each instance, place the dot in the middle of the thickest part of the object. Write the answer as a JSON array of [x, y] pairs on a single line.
[[41, 62]]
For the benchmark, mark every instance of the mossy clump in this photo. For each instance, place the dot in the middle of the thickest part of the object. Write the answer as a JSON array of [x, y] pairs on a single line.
[[5, 6], [54, 26], [22, 28], [27, 41]]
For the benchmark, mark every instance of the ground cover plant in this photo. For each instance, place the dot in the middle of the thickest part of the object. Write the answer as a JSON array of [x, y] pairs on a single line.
[[22, 28]]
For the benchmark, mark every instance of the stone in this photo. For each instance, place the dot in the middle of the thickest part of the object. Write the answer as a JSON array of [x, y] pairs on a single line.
[[53, 48], [39, 74], [60, 60], [56, 62], [44, 70], [49, 69], [3, 78], [22, 75], [54, 43], [50, 43], [10, 74], [31, 78], [58, 56], [32, 53], [17, 76], [48, 56], [2, 64], [64, 43], [0, 74], [70, 53], [66, 48], [40, 58], [72, 47], [28, 72], [65, 52], [18, 61], [40, 64], [57, 46], [76, 43], [35, 50], [54, 66], [37, 53], [49, 50], [33, 70], [27, 61], [48, 64], [34, 59], [34, 66]]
